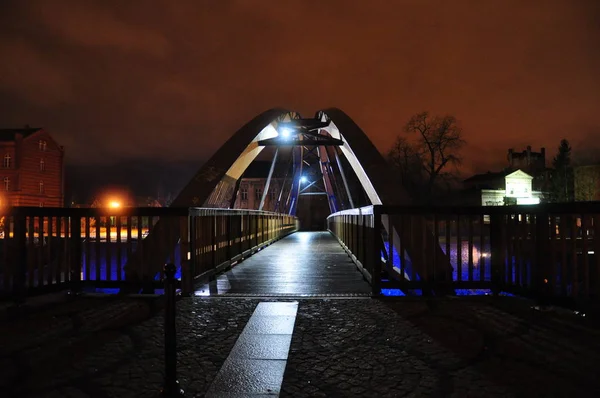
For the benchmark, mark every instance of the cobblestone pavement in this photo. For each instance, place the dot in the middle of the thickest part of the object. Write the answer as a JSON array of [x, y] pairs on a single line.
[[352, 347], [549, 354], [363, 348]]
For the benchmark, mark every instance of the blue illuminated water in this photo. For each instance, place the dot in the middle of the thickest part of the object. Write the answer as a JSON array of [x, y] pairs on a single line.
[[481, 268], [96, 258]]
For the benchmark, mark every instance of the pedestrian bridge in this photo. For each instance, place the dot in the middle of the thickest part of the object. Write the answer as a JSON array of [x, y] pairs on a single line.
[[376, 241]]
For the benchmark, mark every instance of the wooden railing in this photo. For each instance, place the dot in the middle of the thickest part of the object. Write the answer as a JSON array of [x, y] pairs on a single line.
[[219, 238], [548, 251], [49, 249]]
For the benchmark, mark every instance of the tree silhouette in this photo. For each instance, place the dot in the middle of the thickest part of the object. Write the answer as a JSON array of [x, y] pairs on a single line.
[[429, 160], [562, 175]]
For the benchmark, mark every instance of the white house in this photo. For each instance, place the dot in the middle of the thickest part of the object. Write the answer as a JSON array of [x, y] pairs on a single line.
[[518, 185]]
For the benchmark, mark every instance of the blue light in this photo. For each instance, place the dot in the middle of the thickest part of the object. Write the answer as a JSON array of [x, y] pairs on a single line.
[[303, 179], [285, 132]]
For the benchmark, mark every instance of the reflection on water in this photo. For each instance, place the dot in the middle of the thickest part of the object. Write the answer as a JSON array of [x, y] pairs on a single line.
[[480, 269], [96, 267], [481, 266]]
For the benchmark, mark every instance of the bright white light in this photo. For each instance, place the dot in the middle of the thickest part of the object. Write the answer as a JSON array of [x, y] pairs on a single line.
[[303, 179], [285, 132]]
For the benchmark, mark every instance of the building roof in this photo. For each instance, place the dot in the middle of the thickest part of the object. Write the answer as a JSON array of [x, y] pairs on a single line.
[[519, 173], [10, 134], [487, 176]]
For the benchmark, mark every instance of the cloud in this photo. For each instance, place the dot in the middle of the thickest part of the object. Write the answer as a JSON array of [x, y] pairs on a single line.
[[30, 74], [177, 79], [85, 24]]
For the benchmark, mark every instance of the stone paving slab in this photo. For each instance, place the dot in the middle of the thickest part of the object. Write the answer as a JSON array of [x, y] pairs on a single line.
[[344, 348]]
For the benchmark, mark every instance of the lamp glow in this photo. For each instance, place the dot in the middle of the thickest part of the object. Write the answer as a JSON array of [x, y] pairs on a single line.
[[114, 205], [303, 179], [285, 132]]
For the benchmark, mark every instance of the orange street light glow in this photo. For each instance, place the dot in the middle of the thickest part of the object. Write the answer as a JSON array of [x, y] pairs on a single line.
[[114, 205]]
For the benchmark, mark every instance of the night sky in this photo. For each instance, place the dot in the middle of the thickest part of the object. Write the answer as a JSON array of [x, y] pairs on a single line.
[[172, 80]]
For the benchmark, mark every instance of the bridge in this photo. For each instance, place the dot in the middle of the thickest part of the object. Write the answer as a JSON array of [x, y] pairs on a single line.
[[374, 241]]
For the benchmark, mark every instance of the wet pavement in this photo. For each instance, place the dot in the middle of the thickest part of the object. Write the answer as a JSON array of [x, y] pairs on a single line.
[[302, 264], [243, 341], [339, 348]]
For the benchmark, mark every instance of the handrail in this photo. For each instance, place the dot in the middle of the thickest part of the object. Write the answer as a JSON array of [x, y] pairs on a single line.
[[125, 211]]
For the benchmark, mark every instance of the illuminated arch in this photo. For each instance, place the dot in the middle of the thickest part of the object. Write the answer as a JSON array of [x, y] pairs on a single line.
[[215, 183]]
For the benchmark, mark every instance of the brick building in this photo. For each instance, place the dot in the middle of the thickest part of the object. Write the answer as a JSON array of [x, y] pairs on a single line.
[[32, 168], [253, 185]]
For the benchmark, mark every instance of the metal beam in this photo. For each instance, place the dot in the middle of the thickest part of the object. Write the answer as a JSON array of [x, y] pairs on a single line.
[[341, 169], [266, 189], [313, 193], [293, 198], [324, 163], [277, 141]]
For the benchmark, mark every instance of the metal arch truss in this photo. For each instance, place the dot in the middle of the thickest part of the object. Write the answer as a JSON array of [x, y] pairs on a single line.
[[317, 143]]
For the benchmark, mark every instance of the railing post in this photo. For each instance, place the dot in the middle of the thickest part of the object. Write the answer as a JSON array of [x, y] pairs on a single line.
[[541, 279], [185, 251], [171, 387], [213, 239], [228, 237], [20, 258], [497, 251], [376, 254], [75, 255]]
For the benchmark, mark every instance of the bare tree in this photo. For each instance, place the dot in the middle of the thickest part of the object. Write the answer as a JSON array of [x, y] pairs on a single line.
[[407, 162], [435, 152], [587, 183]]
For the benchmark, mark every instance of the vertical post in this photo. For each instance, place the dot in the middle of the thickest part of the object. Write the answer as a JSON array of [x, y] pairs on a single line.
[[497, 251], [376, 253], [20, 258], [75, 247], [185, 252], [213, 240], [228, 237], [171, 386], [541, 278]]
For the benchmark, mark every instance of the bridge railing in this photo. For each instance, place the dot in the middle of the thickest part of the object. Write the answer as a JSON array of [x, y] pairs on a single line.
[[52, 249], [548, 251], [219, 238]]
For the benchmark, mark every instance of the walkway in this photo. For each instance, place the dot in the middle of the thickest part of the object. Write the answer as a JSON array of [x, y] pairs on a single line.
[[482, 347], [302, 264]]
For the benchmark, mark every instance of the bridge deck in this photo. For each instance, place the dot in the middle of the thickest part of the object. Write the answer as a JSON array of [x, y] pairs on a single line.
[[302, 264]]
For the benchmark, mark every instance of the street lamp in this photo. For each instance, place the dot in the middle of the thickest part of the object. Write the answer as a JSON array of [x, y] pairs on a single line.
[[303, 180], [113, 205]]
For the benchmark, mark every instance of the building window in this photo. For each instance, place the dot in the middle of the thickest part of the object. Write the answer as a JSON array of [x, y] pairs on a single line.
[[42, 145], [6, 184], [42, 165], [41, 186], [7, 161], [273, 194], [244, 193], [258, 193]]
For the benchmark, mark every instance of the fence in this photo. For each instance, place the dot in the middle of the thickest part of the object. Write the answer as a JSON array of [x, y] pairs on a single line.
[[546, 251], [49, 249]]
